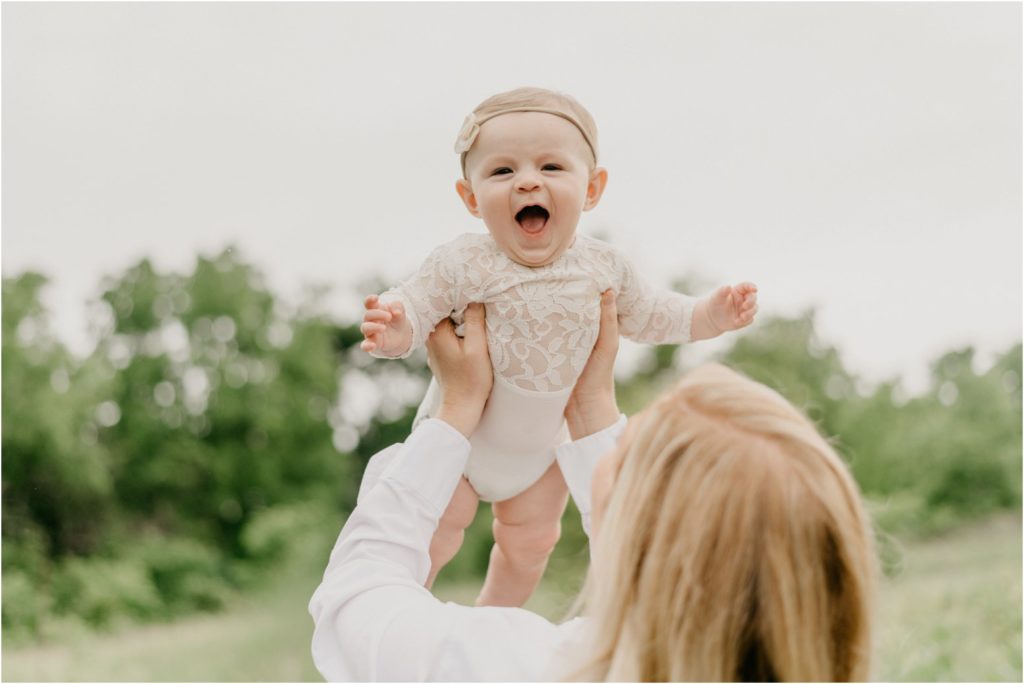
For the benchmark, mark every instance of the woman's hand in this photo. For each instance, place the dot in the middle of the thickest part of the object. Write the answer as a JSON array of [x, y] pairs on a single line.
[[463, 370], [592, 406]]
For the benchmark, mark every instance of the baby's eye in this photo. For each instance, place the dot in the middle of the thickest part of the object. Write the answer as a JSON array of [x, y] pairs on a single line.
[[551, 167], [500, 171]]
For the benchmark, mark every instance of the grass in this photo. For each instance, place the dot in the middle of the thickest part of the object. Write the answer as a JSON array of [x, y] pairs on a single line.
[[264, 637], [952, 612]]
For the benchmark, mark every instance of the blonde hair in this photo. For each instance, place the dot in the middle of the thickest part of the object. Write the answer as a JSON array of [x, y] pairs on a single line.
[[539, 99], [735, 546]]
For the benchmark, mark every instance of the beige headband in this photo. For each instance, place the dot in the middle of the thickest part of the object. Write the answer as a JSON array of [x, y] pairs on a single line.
[[471, 129]]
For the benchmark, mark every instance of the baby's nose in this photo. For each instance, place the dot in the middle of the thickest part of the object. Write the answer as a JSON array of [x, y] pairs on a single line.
[[527, 181]]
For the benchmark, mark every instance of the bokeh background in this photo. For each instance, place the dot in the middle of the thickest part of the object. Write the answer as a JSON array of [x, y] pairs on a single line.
[[197, 196]]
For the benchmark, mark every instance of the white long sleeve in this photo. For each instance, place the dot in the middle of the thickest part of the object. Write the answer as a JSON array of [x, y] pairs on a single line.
[[577, 461], [374, 620]]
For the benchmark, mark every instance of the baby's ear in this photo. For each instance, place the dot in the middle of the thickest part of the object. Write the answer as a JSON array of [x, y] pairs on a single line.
[[465, 190], [595, 188]]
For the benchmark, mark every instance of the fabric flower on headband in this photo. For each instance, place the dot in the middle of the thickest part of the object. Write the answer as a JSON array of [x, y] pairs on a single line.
[[467, 134]]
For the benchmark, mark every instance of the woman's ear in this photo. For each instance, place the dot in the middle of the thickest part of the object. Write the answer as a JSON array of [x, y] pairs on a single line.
[[465, 190], [595, 187]]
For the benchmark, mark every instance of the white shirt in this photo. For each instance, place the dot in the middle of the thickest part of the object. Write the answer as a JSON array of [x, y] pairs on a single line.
[[375, 621]]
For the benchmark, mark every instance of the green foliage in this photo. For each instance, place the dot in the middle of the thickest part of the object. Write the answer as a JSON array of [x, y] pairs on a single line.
[[24, 606], [207, 441], [788, 355], [229, 420], [186, 574], [56, 482], [952, 454], [98, 590], [276, 533], [145, 480]]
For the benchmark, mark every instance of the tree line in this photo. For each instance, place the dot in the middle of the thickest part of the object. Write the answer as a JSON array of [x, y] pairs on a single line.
[[216, 432]]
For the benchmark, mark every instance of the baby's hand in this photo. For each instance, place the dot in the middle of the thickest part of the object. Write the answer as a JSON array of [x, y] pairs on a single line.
[[732, 307], [385, 327]]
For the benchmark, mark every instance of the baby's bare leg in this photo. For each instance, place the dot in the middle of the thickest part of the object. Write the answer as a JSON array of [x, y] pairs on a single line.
[[451, 528], [526, 529]]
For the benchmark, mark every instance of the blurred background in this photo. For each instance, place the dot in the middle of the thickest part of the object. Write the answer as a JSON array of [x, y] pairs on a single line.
[[197, 196]]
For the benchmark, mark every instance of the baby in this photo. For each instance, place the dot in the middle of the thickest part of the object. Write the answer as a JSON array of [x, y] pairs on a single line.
[[529, 164]]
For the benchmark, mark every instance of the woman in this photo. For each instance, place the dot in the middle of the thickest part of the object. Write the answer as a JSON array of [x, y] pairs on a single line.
[[729, 542]]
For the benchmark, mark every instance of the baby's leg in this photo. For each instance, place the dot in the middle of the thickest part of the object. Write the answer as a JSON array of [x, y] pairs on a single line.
[[452, 527], [526, 529]]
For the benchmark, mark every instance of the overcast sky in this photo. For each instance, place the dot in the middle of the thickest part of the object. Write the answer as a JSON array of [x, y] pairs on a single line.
[[861, 158]]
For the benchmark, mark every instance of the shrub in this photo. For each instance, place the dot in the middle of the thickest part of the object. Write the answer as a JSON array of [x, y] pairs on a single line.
[[99, 590], [187, 574], [23, 605]]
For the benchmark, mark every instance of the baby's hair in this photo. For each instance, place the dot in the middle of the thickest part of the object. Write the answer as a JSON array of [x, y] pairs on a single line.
[[542, 98]]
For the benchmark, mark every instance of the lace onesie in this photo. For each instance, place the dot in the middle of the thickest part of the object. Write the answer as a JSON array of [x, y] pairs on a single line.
[[541, 327]]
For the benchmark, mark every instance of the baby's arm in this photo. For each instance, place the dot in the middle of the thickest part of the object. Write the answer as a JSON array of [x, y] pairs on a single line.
[[386, 328], [398, 321], [727, 308], [655, 316]]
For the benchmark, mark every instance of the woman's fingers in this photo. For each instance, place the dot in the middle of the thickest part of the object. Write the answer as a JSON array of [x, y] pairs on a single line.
[[443, 335], [475, 332], [462, 369], [598, 369], [592, 404], [608, 334]]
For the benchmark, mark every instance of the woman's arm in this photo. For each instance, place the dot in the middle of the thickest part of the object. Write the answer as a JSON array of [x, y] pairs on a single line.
[[381, 559], [592, 413], [373, 618], [592, 406], [462, 367]]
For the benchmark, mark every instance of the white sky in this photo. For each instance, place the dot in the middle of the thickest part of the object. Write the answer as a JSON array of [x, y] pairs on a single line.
[[864, 158]]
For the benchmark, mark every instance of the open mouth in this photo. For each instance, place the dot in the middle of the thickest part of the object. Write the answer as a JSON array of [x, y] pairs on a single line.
[[532, 218]]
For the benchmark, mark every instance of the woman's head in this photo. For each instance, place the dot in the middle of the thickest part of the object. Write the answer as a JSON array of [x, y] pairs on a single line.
[[733, 544]]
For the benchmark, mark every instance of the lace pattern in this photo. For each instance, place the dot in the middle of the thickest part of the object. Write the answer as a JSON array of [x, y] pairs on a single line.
[[541, 322]]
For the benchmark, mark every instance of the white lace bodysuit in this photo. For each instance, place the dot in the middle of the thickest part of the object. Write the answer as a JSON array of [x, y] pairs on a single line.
[[541, 327]]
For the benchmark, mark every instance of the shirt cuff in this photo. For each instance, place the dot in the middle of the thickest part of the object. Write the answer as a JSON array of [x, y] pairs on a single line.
[[430, 464], [578, 459]]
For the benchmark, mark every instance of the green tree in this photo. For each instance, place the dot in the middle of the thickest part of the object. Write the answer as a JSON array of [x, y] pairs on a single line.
[[223, 399], [56, 480]]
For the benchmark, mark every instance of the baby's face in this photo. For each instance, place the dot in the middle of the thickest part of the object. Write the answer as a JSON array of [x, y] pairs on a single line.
[[529, 179]]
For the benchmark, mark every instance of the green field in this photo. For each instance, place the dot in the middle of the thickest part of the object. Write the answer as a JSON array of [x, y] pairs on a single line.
[[952, 612]]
